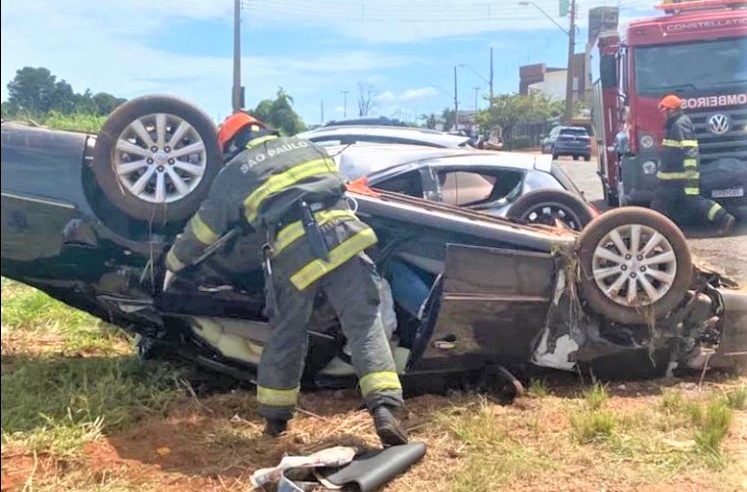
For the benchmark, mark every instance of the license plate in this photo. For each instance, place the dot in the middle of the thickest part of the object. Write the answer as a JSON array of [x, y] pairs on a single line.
[[727, 193]]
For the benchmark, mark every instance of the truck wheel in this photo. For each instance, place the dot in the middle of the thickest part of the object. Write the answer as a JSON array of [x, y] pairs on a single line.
[[155, 158], [545, 206], [610, 197], [635, 265]]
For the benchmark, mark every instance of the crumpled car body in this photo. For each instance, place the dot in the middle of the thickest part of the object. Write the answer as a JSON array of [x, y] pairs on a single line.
[[469, 291]]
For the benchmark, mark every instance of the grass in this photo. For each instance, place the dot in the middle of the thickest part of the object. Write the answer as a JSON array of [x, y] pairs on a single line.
[[537, 388], [596, 395], [737, 398], [495, 456], [54, 403], [713, 429], [30, 318], [74, 122], [594, 426]]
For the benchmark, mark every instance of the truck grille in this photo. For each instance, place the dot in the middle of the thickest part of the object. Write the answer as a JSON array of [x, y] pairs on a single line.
[[733, 143]]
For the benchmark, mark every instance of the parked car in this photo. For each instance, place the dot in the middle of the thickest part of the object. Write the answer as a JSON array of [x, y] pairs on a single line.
[[353, 134], [524, 187], [469, 290], [568, 140]]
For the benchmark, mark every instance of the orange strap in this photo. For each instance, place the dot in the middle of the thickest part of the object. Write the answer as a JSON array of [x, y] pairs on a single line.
[[360, 186]]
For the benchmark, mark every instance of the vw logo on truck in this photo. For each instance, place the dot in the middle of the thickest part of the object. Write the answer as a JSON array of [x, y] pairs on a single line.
[[718, 124]]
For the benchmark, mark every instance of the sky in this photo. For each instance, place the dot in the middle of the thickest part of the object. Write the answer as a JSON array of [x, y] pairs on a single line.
[[405, 50]]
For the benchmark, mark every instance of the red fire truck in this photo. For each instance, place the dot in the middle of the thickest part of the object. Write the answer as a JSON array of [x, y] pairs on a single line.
[[697, 50]]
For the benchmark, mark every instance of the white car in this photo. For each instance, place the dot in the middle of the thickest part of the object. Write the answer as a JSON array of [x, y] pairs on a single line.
[[403, 135], [526, 187]]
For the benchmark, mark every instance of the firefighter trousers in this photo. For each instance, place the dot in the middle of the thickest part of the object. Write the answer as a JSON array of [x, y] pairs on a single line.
[[675, 204], [353, 292]]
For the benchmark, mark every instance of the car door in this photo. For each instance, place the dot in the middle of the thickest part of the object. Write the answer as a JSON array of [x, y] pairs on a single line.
[[492, 307]]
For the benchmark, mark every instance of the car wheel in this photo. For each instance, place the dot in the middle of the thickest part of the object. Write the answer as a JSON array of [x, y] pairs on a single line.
[[635, 265], [575, 157], [546, 206], [587, 158], [155, 158]]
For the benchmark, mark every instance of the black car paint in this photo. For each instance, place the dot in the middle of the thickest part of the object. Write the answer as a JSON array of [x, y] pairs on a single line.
[[57, 235]]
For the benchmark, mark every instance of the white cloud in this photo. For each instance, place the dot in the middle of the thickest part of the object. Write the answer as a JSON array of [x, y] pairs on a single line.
[[408, 95], [103, 45], [418, 93]]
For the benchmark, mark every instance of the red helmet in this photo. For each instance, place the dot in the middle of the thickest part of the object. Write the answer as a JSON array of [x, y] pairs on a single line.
[[670, 102], [232, 125]]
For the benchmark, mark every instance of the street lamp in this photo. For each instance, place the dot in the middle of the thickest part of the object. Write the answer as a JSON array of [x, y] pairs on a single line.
[[345, 104], [571, 33]]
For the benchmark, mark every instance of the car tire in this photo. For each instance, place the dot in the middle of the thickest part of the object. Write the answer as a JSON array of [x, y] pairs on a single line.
[[138, 140], [607, 274], [575, 157], [543, 206], [587, 158]]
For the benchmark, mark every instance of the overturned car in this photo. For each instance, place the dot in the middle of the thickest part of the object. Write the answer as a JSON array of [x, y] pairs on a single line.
[[85, 217]]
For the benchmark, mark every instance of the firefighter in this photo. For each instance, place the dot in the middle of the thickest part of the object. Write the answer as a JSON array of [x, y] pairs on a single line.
[[678, 189], [290, 191]]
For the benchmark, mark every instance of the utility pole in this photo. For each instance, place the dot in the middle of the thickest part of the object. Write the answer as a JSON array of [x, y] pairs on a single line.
[[456, 103], [569, 77], [345, 104], [237, 99], [491, 76], [476, 90]]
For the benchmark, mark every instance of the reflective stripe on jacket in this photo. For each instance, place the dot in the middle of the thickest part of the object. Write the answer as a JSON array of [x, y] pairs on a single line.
[[262, 185], [680, 158]]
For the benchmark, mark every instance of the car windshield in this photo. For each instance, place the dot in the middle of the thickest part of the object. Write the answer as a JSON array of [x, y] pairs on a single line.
[[690, 67], [576, 132]]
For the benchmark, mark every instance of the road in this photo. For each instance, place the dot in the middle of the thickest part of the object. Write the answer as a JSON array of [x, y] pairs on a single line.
[[727, 254]]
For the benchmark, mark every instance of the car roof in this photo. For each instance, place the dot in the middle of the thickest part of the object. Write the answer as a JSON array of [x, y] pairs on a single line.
[[366, 159], [380, 121], [418, 135]]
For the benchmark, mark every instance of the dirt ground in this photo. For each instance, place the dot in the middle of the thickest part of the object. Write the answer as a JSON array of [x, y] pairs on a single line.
[[727, 254], [206, 445]]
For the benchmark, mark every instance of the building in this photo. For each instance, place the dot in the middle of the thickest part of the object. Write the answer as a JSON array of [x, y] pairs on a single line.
[[551, 81]]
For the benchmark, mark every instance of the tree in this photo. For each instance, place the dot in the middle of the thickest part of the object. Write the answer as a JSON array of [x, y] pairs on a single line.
[[279, 113], [366, 102], [106, 103], [37, 91], [449, 117], [430, 120], [509, 110], [33, 90]]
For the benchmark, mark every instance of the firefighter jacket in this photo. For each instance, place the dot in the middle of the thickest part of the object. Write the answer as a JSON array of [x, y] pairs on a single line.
[[680, 157], [262, 187]]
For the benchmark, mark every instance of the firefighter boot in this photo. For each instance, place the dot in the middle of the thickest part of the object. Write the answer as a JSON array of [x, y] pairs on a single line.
[[725, 224], [388, 428], [275, 427]]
